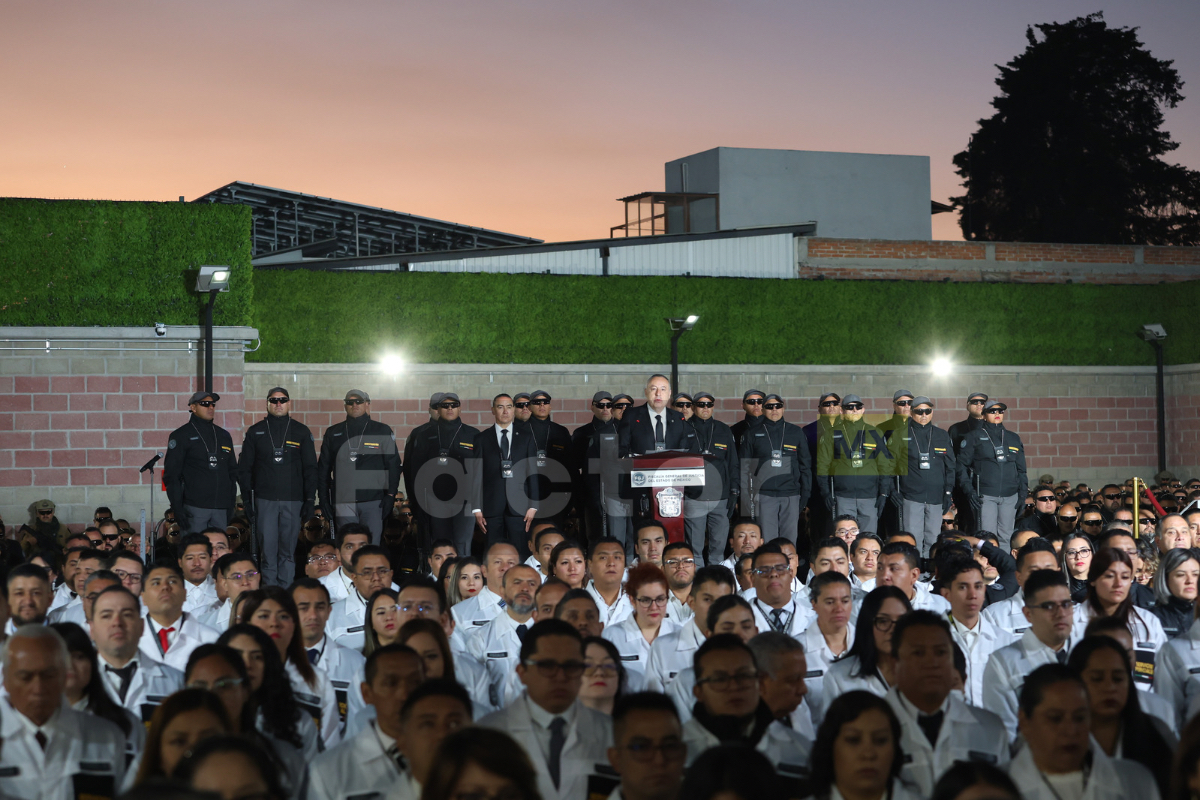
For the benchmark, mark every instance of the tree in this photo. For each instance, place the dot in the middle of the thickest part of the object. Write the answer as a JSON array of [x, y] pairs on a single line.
[[1073, 152]]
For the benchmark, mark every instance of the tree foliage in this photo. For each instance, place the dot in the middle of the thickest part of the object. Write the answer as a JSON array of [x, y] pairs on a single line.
[[1074, 150]]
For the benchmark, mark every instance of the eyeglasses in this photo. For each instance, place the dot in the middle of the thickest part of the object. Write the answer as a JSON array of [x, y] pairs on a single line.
[[772, 406], [603, 405], [539, 402], [853, 406], [829, 404], [242, 577], [600, 669], [127, 577], [688, 405], [776, 569], [548, 669], [278, 401], [1050, 607], [884, 624], [450, 404], [420, 608], [644, 751], [680, 562], [219, 685], [753, 401], [381, 572], [1083, 551], [902, 402], [206, 403], [723, 682], [647, 602], [704, 404], [520, 405], [922, 412], [329, 559]]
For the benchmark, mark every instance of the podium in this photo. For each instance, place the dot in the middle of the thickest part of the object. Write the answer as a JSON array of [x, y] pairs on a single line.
[[659, 480]]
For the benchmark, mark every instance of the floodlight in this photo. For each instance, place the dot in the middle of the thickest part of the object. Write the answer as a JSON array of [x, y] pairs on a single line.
[[1153, 333], [213, 279], [941, 367], [392, 364]]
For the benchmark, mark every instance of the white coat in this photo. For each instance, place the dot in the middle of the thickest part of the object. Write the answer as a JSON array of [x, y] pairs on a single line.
[[345, 669], [924, 599], [967, 734], [585, 752], [498, 648], [216, 616], [842, 677], [670, 654], [1148, 638], [819, 658], [477, 611], [1008, 614], [634, 649], [1005, 674], [680, 692], [615, 614], [152, 683], [1109, 779], [346, 624], [988, 639], [200, 597], [71, 612], [1177, 675], [358, 767], [84, 755], [63, 595], [802, 616], [338, 583], [189, 634], [319, 702], [677, 609], [787, 750]]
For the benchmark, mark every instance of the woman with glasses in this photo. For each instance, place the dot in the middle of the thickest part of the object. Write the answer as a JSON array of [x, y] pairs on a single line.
[[481, 764], [603, 677], [466, 580], [649, 594], [857, 752], [182, 721], [1110, 581], [382, 621], [1075, 560], [568, 563], [868, 664], [1175, 587]]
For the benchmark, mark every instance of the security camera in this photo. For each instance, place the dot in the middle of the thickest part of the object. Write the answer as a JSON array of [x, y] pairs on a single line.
[[160, 329], [1153, 333]]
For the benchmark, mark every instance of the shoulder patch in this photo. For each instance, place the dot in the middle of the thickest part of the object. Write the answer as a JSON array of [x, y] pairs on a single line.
[[171, 444]]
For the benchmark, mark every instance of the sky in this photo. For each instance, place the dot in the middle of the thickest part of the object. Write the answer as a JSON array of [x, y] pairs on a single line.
[[525, 116]]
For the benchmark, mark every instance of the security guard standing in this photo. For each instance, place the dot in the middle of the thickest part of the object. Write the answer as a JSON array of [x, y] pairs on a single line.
[[962, 503], [410, 475], [200, 471], [585, 455], [853, 466], [441, 484], [775, 452], [991, 473], [829, 409], [925, 474], [278, 475], [889, 519], [716, 441], [359, 468], [553, 445]]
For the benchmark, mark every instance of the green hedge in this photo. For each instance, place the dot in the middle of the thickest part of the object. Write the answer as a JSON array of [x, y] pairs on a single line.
[[306, 316], [91, 262]]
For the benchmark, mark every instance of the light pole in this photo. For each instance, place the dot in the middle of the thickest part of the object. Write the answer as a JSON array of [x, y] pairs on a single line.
[[679, 326], [212, 279], [1154, 336]]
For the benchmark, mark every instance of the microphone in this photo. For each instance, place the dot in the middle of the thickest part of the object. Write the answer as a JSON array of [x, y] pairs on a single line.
[[150, 464]]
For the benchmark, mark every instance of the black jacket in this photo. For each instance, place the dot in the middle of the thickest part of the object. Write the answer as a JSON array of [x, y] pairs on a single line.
[[490, 489], [453, 440], [961, 428], [408, 462], [636, 433], [981, 473], [200, 468], [553, 441], [1006, 583], [1175, 616], [279, 462], [756, 452], [715, 438], [359, 463], [739, 428], [585, 446], [913, 445], [843, 446]]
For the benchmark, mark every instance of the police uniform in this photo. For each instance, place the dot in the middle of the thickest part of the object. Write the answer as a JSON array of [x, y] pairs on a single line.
[[278, 475], [200, 472], [853, 469], [925, 480], [345, 669], [358, 471], [410, 474], [585, 457], [774, 463], [555, 479], [890, 519], [1005, 674], [957, 431], [721, 487], [441, 484], [991, 473], [820, 521]]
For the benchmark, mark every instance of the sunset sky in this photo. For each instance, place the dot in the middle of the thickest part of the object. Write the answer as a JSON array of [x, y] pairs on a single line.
[[525, 116]]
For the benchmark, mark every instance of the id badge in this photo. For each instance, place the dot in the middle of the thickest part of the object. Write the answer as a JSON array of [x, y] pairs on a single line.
[[541, 459], [278, 455], [857, 461], [1000, 457], [924, 462], [506, 470], [354, 455], [212, 461], [443, 457], [777, 458], [659, 446]]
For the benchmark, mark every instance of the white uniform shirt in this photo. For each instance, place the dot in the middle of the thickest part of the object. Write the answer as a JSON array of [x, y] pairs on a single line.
[[345, 669], [201, 596], [319, 702], [670, 654], [820, 658], [977, 645], [151, 684], [1008, 615], [801, 616], [1177, 674], [1148, 638], [347, 622], [787, 750], [84, 754], [358, 767], [1005, 674], [477, 611], [1109, 778], [498, 648], [634, 649], [618, 612], [187, 636]]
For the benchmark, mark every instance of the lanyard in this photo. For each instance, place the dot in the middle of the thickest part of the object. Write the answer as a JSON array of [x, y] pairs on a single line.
[[928, 445], [712, 431], [286, 428], [453, 437], [782, 436], [197, 430], [989, 437]]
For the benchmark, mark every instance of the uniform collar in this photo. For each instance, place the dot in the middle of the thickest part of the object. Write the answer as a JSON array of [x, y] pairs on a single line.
[[543, 718]]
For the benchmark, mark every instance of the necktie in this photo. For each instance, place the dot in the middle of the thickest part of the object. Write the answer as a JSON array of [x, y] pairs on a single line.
[[41, 740], [504, 444], [521, 631], [558, 738], [659, 438], [314, 655], [162, 638], [931, 726], [777, 619], [395, 755], [1061, 655], [126, 675]]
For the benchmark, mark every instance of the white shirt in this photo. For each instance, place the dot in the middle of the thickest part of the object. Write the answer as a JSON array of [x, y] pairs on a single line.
[[618, 612], [655, 418], [77, 744], [978, 644], [479, 610], [200, 595], [542, 720], [820, 658], [634, 649]]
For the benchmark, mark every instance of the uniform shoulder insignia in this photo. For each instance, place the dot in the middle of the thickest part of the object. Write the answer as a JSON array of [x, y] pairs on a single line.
[[171, 444]]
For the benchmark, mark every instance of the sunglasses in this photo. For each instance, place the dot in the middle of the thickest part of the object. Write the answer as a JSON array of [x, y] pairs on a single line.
[[853, 407], [539, 402], [689, 405], [704, 404], [829, 404], [206, 403], [772, 406], [902, 402], [1092, 522], [278, 401], [621, 406], [48, 511], [450, 404], [1069, 519], [1113, 496], [112, 537], [922, 412], [998, 413], [521, 405], [603, 405], [976, 402], [753, 401], [1047, 498], [355, 401]]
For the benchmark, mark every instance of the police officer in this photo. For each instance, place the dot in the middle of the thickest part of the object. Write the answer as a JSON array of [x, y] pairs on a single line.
[[553, 445], [926, 467], [991, 473], [829, 410], [359, 468], [752, 404], [522, 411], [585, 455], [716, 441], [775, 453], [853, 466], [200, 471], [441, 484], [975, 402], [278, 475], [620, 403], [410, 476], [902, 400]]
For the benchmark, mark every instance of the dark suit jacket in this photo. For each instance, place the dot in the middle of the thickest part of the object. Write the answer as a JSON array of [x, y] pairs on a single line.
[[635, 433], [490, 493]]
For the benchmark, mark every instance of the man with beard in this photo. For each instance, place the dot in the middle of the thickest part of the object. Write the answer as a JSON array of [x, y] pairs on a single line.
[[497, 644]]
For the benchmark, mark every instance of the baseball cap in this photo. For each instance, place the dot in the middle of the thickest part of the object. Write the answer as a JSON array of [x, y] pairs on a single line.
[[851, 398], [598, 396], [922, 400], [746, 394], [360, 394], [198, 396], [519, 396], [771, 397], [703, 395], [280, 390], [902, 393], [450, 396], [436, 398], [44, 505], [977, 395], [539, 394], [828, 395], [995, 405]]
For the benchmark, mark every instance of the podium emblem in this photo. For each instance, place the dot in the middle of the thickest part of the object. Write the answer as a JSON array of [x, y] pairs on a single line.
[[638, 478], [670, 502]]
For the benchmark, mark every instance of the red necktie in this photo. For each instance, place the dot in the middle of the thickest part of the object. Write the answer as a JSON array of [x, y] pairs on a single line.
[[162, 637]]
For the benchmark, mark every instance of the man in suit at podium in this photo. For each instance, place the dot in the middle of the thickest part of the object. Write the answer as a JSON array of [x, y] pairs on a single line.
[[505, 456]]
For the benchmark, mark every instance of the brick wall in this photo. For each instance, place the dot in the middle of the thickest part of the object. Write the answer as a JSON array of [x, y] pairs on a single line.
[[1020, 262]]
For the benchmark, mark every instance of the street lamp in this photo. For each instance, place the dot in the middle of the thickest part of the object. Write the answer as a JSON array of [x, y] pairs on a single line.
[[212, 279], [1154, 335], [679, 326]]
